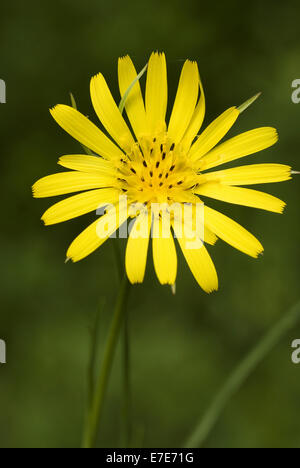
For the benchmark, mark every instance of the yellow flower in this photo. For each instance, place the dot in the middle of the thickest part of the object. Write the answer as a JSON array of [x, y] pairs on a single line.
[[159, 163]]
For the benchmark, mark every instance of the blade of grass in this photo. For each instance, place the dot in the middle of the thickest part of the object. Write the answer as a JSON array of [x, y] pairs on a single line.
[[94, 331], [240, 374], [96, 408], [248, 103], [126, 94]]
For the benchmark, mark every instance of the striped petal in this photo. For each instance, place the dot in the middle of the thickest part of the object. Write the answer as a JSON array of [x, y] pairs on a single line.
[[68, 182], [134, 103], [164, 253], [251, 174], [242, 196], [196, 120], [108, 112], [232, 233], [95, 235], [79, 205], [137, 248], [198, 259], [83, 130], [85, 163], [213, 133], [156, 93], [239, 146], [185, 101]]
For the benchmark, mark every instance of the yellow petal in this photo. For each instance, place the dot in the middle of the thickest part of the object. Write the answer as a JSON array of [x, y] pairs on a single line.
[[94, 235], [185, 101], [242, 196], [156, 93], [134, 103], [68, 182], [79, 205], [137, 248], [196, 120], [241, 145], [197, 257], [83, 130], [209, 236], [251, 174], [213, 133], [108, 112], [85, 163], [164, 253], [232, 232]]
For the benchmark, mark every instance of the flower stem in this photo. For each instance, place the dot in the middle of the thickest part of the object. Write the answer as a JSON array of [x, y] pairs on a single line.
[[126, 404], [96, 407], [126, 384], [240, 374]]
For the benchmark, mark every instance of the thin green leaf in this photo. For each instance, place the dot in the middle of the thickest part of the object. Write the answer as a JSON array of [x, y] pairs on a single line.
[[126, 94], [248, 103], [94, 331]]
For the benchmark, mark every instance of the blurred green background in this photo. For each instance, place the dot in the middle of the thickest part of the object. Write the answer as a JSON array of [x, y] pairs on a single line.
[[183, 347]]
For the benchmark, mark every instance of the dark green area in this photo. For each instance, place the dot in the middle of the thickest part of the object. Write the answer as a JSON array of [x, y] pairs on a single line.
[[183, 347]]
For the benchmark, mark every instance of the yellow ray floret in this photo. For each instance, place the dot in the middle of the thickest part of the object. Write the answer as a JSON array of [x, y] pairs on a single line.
[[197, 257], [91, 164], [185, 101], [134, 103], [164, 253], [80, 204], [237, 147], [108, 112], [156, 93], [83, 130], [196, 120], [251, 174], [242, 196], [232, 232], [137, 248], [95, 235], [68, 182], [213, 133]]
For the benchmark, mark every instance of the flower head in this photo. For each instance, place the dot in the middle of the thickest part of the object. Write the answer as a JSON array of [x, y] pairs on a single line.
[[159, 165]]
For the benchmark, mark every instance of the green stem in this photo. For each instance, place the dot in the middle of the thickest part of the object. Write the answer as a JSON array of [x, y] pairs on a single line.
[[126, 405], [118, 259], [126, 384], [240, 374], [96, 408], [93, 352]]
